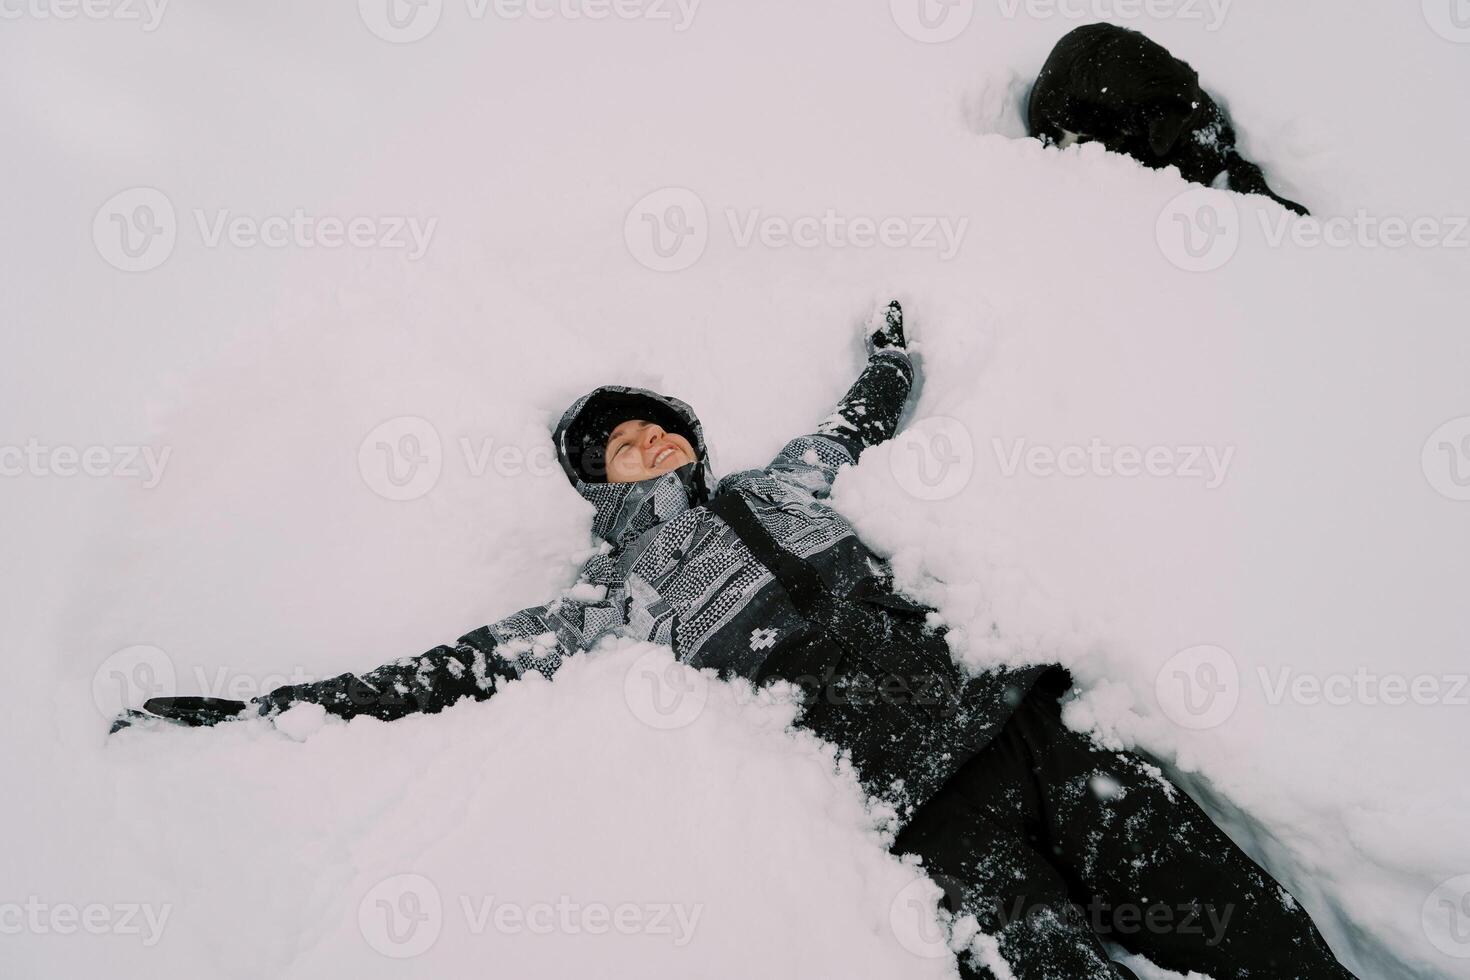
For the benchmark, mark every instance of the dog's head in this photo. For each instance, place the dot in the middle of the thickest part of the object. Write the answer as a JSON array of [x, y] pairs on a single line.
[[1160, 94], [1169, 116]]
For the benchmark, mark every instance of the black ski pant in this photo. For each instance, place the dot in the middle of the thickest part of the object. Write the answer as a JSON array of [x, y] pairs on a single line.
[[1056, 846]]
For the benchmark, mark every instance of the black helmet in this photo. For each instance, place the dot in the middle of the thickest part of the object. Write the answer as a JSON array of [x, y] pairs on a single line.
[[584, 443], [581, 442]]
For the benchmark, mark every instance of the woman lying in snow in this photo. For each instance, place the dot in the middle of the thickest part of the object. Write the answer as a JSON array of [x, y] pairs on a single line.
[[1049, 842]]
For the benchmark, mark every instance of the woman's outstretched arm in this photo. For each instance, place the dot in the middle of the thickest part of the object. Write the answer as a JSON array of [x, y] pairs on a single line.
[[867, 415], [539, 639]]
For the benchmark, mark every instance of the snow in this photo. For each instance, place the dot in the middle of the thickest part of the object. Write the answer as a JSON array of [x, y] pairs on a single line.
[[241, 404]]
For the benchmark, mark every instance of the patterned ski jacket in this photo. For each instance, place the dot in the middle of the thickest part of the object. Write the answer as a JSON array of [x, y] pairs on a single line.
[[671, 571]]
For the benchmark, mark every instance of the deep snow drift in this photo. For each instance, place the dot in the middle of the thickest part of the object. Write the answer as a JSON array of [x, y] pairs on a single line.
[[1274, 611]]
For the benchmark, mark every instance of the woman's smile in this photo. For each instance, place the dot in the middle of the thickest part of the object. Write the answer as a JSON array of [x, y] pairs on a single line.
[[639, 450]]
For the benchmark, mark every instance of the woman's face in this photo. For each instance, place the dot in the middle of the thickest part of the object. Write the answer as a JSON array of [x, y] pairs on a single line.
[[638, 450]]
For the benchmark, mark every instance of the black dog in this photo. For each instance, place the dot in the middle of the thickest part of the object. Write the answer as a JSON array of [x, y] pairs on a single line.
[[1115, 86]]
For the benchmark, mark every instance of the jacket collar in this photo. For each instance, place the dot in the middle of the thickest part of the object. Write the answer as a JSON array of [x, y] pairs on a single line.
[[626, 510]]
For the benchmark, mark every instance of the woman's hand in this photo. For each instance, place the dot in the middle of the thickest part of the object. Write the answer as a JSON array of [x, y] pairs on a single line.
[[885, 329], [193, 712]]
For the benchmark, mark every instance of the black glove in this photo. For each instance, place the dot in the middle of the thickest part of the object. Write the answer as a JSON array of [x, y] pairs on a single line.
[[192, 712], [889, 333]]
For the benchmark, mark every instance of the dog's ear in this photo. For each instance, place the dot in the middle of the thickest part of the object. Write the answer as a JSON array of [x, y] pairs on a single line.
[[1165, 131]]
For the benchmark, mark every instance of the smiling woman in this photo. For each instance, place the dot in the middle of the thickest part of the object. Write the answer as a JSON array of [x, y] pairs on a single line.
[[627, 436], [640, 450]]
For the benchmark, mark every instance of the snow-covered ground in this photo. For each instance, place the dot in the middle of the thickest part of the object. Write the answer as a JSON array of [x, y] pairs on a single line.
[[1272, 605]]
